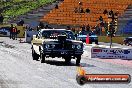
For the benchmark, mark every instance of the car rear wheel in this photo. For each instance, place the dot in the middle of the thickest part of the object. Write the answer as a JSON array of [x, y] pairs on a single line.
[[67, 59], [42, 58], [96, 42], [35, 55], [78, 60]]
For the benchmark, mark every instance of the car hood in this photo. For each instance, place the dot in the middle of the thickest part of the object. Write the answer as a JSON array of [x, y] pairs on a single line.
[[51, 41]]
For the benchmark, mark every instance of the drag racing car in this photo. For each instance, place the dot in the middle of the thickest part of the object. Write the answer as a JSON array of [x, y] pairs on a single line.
[[92, 37], [128, 41], [56, 43]]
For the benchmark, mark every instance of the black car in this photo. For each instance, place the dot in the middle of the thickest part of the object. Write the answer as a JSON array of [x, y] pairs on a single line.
[[92, 37], [128, 41], [56, 43]]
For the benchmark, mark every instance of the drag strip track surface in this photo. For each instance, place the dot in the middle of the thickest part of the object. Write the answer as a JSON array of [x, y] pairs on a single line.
[[18, 70]]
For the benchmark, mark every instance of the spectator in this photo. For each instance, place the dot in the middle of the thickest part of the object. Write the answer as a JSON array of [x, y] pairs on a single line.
[[117, 13], [68, 28], [80, 3], [102, 24], [11, 31], [113, 17], [87, 10], [41, 25], [80, 7], [46, 27], [27, 28], [21, 22], [30, 29], [101, 19], [105, 12], [111, 13], [81, 10], [16, 32], [73, 29], [56, 6], [106, 26], [38, 28], [1, 18], [97, 29], [83, 28], [88, 28], [76, 10]]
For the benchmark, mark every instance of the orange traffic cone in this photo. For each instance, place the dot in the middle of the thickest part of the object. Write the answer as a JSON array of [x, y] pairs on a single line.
[[81, 71], [87, 39]]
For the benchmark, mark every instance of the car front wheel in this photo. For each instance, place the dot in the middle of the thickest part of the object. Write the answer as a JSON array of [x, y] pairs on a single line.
[[42, 58], [96, 42], [67, 59], [78, 60], [35, 55]]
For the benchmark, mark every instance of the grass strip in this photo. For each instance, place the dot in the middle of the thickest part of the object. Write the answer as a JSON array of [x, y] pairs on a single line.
[[24, 8]]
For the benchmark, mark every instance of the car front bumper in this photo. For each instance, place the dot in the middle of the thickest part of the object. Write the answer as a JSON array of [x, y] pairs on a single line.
[[61, 53], [92, 40]]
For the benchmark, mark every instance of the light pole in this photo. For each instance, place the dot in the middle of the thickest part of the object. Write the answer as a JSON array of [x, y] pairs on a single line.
[[80, 9], [112, 26]]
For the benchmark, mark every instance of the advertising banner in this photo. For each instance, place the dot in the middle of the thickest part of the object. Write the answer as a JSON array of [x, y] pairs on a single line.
[[111, 53]]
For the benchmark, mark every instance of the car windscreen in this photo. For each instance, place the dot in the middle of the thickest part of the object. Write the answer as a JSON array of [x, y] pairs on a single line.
[[83, 33], [48, 33], [86, 32]]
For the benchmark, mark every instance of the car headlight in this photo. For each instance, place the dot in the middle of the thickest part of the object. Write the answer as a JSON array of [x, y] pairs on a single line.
[[80, 39], [95, 38], [47, 46], [78, 46], [73, 46], [53, 46]]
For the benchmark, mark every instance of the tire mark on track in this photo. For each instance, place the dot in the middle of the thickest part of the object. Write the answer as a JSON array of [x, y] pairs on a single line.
[[3, 83]]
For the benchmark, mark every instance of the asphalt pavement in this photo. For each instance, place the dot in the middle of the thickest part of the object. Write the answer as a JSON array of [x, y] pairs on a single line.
[[18, 70]]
